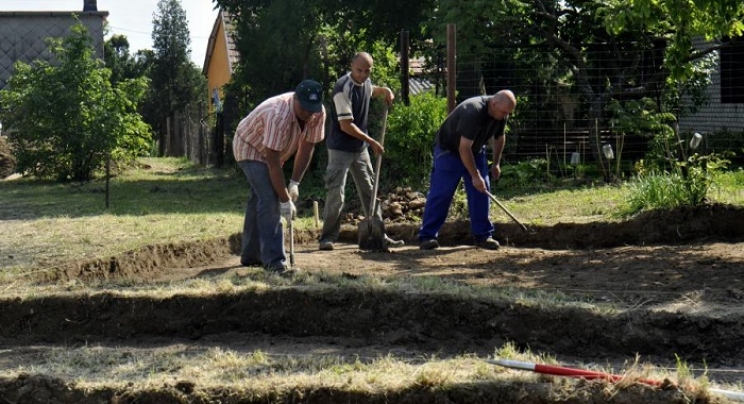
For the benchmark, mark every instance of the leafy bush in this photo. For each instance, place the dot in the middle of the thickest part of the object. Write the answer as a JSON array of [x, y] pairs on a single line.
[[410, 140], [688, 185], [65, 119], [524, 173]]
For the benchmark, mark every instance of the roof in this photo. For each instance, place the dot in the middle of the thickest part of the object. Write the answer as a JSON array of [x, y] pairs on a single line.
[[223, 18]]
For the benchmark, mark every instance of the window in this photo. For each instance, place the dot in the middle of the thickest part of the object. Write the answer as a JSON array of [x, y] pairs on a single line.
[[732, 72]]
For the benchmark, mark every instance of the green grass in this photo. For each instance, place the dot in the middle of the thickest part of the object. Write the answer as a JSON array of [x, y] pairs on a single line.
[[160, 201], [169, 200], [164, 200]]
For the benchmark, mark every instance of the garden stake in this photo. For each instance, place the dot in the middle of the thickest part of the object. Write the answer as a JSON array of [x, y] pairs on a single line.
[[592, 375]]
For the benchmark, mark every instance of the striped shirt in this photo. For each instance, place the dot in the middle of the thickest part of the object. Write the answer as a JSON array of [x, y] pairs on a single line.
[[273, 125]]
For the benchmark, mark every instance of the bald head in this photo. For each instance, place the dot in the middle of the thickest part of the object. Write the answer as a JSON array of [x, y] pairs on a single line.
[[366, 57], [361, 67], [502, 104], [507, 98]]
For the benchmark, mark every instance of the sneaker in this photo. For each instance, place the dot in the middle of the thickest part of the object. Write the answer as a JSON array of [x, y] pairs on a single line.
[[429, 244], [389, 242], [488, 244], [325, 245]]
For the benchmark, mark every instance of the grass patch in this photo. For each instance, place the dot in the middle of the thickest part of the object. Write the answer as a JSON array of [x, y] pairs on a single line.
[[94, 366], [160, 201], [165, 200]]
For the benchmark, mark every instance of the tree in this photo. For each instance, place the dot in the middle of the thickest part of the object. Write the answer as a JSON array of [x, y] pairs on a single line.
[[282, 42], [124, 65], [66, 118], [680, 22], [604, 50], [176, 82]]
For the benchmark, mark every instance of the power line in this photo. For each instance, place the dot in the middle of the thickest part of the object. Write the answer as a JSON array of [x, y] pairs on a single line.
[[150, 33]]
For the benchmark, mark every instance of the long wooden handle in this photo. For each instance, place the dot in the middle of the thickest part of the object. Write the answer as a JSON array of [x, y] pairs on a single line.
[[496, 201], [373, 202]]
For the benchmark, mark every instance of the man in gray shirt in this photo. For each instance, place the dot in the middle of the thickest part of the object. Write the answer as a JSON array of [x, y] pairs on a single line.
[[460, 154]]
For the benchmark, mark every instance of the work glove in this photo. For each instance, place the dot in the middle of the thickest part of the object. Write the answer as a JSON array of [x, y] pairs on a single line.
[[294, 190], [288, 210]]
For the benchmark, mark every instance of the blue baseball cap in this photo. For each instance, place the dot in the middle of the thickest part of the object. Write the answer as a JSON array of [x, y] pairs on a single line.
[[310, 94]]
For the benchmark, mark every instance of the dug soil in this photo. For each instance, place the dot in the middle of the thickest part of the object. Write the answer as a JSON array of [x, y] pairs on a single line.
[[665, 286]]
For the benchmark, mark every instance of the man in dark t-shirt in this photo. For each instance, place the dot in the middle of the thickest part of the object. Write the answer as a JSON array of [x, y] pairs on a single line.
[[347, 145], [460, 153]]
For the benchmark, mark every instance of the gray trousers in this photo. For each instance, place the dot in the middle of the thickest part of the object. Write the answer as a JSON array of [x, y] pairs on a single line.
[[339, 165], [263, 231]]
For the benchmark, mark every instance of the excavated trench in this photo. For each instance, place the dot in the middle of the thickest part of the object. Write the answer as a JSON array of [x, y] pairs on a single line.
[[665, 286]]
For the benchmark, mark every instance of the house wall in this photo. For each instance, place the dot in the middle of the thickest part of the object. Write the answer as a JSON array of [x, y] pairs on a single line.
[[218, 65], [23, 35], [715, 116]]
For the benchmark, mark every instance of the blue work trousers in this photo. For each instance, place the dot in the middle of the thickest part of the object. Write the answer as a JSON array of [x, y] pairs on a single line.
[[263, 231], [446, 174]]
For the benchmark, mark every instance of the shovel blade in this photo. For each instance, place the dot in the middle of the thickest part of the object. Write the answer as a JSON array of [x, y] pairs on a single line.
[[372, 235]]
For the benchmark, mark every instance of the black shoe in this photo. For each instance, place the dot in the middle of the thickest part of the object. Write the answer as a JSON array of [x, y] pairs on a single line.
[[325, 245], [488, 244], [283, 271], [389, 242], [431, 244], [250, 263]]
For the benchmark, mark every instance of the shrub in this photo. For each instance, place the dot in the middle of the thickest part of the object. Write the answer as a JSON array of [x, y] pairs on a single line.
[[524, 173], [65, 119], [688, 185], [410, 140]]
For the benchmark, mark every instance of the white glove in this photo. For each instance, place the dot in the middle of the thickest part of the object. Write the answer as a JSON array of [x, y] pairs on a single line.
[[294, 190], [288, 210]]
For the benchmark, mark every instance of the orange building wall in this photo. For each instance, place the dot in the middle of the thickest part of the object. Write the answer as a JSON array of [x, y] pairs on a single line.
[[218, 71]]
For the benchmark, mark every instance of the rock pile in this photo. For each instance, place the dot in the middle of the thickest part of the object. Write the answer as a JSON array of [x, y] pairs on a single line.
[[403, 204]]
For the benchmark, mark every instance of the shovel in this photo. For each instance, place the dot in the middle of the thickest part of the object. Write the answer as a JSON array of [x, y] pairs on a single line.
[[372, 230]]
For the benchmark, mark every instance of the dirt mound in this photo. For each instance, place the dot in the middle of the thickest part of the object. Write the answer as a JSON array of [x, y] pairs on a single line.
[[668, 227], [142, 264], [682, 225]]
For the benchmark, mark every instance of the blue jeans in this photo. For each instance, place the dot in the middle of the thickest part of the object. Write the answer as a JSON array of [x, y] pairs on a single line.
[[446, 174], [263, 231], [339, 165]]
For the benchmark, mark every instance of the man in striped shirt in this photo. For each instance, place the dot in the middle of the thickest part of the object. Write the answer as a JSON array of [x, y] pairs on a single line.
[[347, 147], [264, 141]]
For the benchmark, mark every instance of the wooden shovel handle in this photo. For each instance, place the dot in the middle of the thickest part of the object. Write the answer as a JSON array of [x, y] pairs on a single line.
[[496, 201], [373, 202]]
